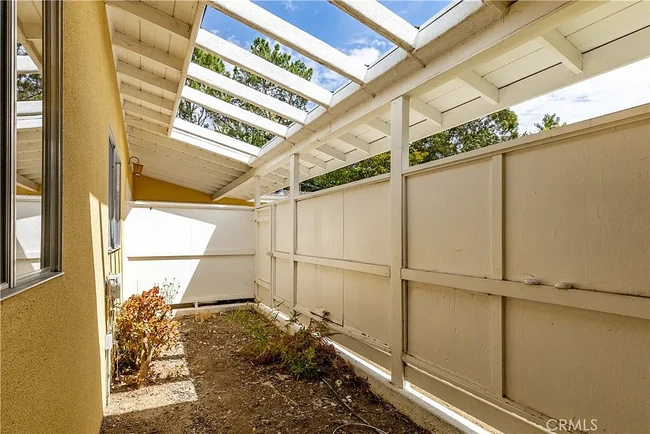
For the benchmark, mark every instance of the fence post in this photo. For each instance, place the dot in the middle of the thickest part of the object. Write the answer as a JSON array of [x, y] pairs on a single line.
[[399, 160], [496, 301], [294, 191]]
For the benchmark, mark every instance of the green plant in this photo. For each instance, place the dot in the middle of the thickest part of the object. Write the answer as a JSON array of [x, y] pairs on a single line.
[[303, 354], [143, 328]]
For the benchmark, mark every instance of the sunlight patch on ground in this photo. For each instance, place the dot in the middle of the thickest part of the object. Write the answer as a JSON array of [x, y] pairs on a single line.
[[159, 395]]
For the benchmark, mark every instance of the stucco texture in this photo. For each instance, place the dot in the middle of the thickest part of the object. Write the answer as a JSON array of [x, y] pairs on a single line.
[[53, 358]]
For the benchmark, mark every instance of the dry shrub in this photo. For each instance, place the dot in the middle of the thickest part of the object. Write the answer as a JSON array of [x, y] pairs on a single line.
[[303, 354], [144, 328], [203, 316]]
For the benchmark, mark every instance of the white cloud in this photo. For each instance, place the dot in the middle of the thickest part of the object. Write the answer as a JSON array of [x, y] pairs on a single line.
[[366, 55], [613, 91], [289, 5]]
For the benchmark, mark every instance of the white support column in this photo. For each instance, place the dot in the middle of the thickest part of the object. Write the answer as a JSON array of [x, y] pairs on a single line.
[[294, 190], [496, 301], [273, 249], [258, 190], [399, 161]]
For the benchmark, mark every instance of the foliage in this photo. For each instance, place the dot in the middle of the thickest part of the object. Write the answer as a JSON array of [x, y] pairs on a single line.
[[29, 87], [144, 328], [305, 354], [488, 130], [549, 122], [233, 128]]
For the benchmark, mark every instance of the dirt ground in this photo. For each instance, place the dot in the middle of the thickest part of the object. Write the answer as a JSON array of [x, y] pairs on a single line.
[[207, 386]]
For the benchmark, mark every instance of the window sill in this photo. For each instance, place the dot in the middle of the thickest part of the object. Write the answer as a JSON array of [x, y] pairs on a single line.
[[32, 282]]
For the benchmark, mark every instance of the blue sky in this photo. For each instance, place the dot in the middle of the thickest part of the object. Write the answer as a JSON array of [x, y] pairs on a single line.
[[328, 23]]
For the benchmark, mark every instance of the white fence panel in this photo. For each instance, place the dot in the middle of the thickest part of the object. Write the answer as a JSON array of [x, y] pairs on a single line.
[[207, 249]]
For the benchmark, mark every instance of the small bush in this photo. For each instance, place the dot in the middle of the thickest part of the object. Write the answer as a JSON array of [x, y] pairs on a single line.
[[143, 329], [303, 354]]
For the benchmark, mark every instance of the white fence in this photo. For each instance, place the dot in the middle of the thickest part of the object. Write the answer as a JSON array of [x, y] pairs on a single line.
[[570, 205], [207, 249]]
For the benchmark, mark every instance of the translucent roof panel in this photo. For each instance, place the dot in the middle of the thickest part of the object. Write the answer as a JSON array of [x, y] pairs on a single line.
[[416, 12]]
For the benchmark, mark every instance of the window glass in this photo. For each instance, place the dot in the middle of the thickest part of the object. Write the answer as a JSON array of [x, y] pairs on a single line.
[[29, 138], [114, 195]]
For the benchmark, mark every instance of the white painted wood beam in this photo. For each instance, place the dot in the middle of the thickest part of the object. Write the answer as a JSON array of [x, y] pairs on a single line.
[[29, 122], [209, 145], [145, 112], [196, 25], [27, 108], [249, 118], [216, 137], [198, 172], [382, 20], [566, 52], [282, 172], [426, 110], [176, 147], [141, 95], [26, 183], [138, 47], [487, 90], [32, 31], [145, 125], [176, 155], [244, 59], [307, 158], [155, 16], [25, 65], [23, 136], [379, 125], [335, 153], [28, 45], [231, 87], [291, 36], [146, 77], [356, 142]]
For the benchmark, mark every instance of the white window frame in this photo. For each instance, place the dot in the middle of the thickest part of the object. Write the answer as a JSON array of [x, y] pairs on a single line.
[[51, 218]]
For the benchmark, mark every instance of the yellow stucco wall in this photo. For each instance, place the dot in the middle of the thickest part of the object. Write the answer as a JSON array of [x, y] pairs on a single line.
[[152, 189], [52, 348]]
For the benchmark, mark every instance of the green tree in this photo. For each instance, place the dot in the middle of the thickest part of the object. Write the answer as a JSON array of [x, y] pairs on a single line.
[[549, 122], [231, 127], [29, 87], [488, 130]]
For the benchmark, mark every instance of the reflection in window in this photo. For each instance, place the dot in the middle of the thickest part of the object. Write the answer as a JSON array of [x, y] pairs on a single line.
[[29, 137]]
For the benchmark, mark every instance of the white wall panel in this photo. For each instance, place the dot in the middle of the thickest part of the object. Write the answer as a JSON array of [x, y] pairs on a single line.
[[572, 363], [283, 227], [367, 304], [208, 250], [321, 289], [320, 226], [579, 211], [283, 280], [448, 217], [28, 234], [450, 329], [366, 234]]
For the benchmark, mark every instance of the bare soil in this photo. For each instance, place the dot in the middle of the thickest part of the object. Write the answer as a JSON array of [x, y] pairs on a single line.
[[206, 385]]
